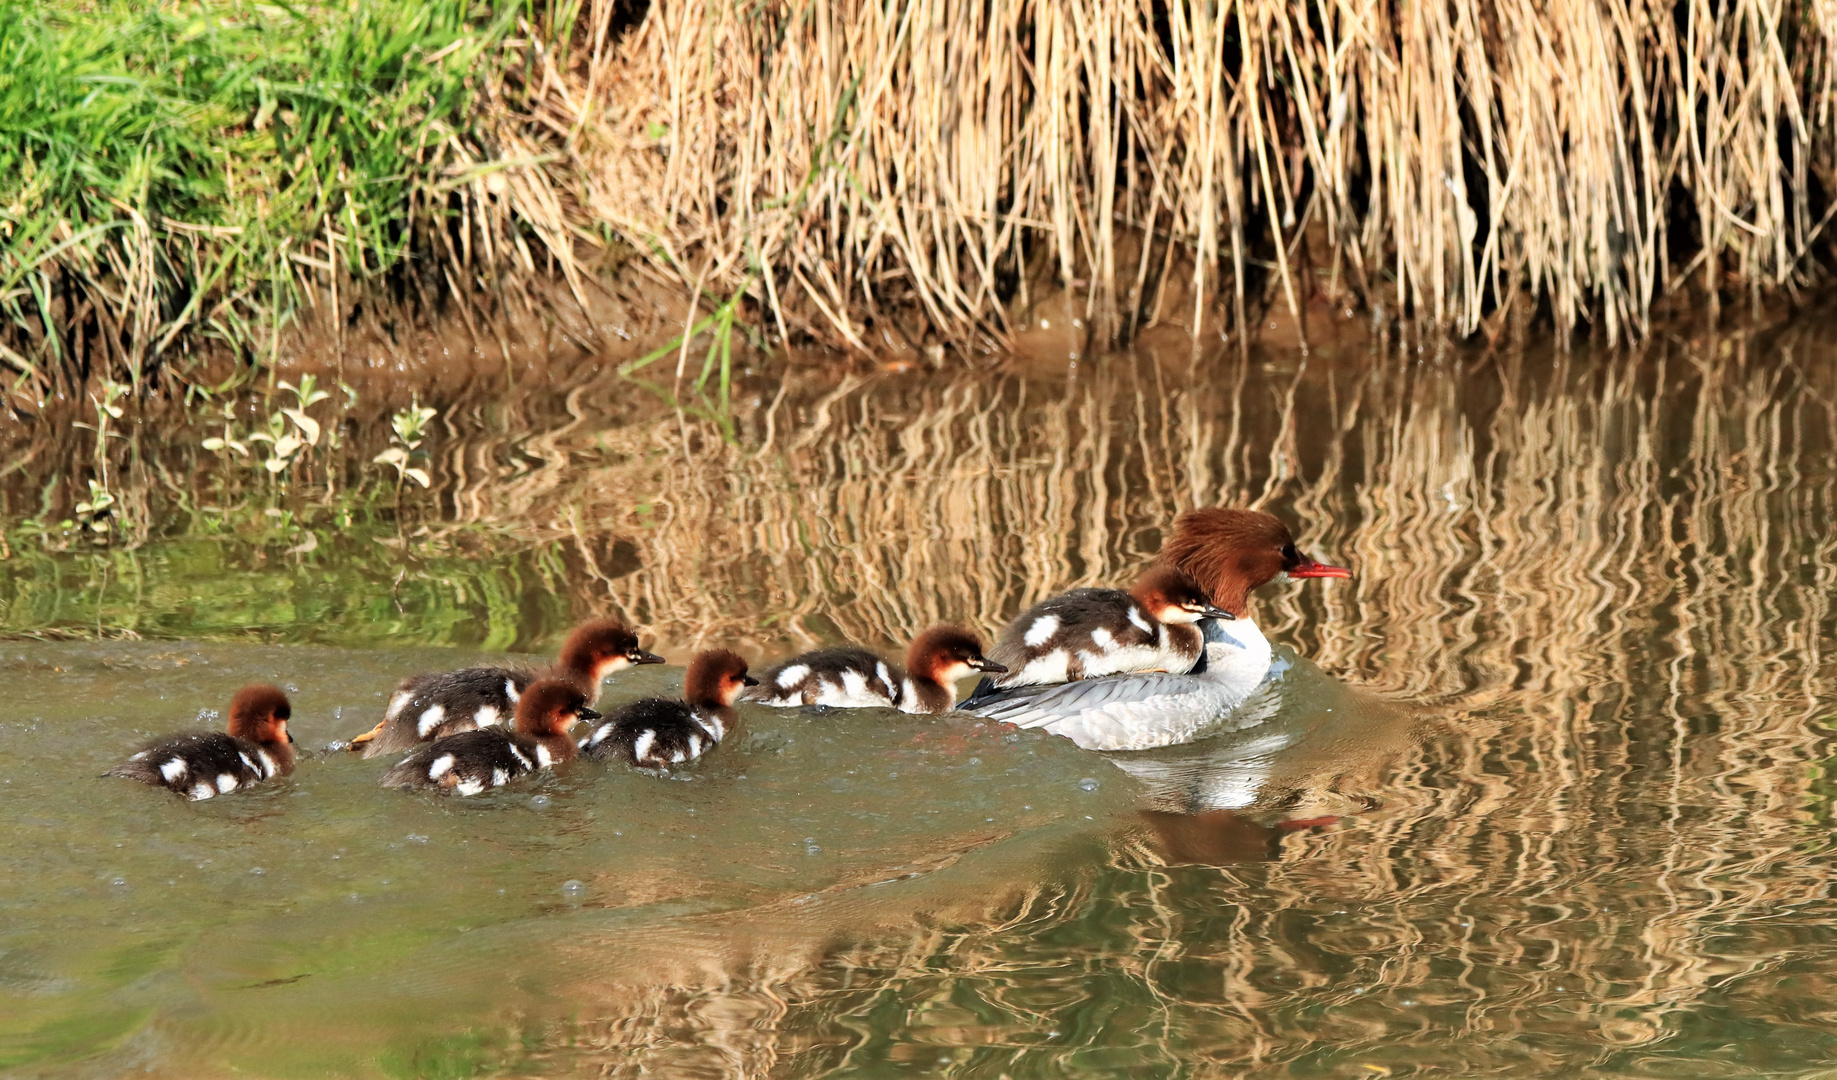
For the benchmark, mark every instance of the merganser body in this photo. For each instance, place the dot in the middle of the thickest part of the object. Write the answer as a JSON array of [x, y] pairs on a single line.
[[1230, 553], [1086, 633], [433, 706], [658, 733], [849, 677], [203, 764], [473, 761]]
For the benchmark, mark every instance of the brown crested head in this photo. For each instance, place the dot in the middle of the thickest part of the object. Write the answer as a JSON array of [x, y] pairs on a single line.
[[715, 678], [1171, 595], [550, 707], [259, 713], [944, 654], [598, 648], [1231, 553]]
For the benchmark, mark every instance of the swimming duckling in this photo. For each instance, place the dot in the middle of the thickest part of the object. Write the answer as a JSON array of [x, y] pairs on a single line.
[[199, 765], [475, 761], [436, 705], [849, 677], [657, 733], [1085, 633]]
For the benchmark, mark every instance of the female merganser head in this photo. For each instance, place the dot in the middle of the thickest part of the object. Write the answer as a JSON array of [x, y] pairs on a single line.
[[1085, 633], [433, 706], [850, 677], [657, 733], [199, 765], [485, 758], [1232, 553]]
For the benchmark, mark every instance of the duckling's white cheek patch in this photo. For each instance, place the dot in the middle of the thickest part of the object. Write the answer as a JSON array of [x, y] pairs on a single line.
[[430, 719], [1042, 630], [173, 770], [486, 716], [792, 675]]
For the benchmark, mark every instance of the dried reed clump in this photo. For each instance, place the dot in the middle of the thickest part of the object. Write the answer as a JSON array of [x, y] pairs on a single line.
[[883, 174]]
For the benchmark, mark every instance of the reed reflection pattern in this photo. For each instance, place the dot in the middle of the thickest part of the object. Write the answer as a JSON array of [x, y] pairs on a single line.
[[1600, 585], [1576, 820]]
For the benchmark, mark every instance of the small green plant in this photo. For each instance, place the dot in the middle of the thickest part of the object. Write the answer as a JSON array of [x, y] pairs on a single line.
[[410, 429], [289, 432], [96, 512]]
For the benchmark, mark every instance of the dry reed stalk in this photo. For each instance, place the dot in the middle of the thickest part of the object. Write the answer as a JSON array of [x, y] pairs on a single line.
[[884, 174]]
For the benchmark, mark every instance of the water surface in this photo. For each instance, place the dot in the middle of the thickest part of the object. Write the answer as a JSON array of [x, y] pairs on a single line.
[[1548, 793]]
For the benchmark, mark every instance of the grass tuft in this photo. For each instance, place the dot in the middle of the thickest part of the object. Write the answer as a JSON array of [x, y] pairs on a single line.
[[201, 167]]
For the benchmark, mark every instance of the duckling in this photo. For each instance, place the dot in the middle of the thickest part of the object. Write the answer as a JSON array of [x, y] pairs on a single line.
[[432, 706], [657, 733], [202, 764], [1085, 633], [849, 677], [485, 758]]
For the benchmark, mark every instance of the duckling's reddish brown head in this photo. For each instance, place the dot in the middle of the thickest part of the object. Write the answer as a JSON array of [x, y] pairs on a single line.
[[550, 707], [601, 647], [1171, 595], [259, 713], [715, 678], [1231, 553], [944, 654]]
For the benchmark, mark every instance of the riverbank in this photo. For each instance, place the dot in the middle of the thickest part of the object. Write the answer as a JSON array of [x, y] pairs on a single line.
[[188, 185]]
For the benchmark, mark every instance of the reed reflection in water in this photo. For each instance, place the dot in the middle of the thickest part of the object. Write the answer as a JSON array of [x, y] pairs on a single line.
[[1599, 585], [1559, 803]]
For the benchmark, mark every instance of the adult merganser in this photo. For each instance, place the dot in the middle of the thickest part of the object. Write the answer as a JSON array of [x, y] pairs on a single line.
[[1085, 633], [849, 677], [657, 733], [478, 760], [1230, 553], [201, 764], [436, 705]]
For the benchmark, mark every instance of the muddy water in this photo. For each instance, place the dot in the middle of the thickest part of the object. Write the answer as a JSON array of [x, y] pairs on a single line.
[[1547, 792]]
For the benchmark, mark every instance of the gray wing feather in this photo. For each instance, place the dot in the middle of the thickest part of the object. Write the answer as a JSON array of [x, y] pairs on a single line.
[[1130, 696]]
